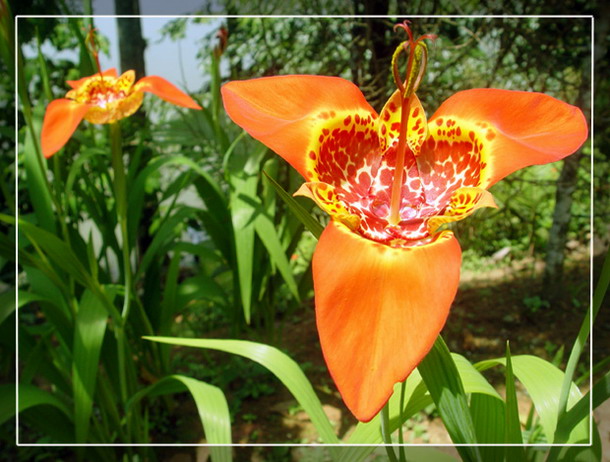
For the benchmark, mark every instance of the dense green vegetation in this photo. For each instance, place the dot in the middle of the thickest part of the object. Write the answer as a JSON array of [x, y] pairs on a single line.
[[216, 249]]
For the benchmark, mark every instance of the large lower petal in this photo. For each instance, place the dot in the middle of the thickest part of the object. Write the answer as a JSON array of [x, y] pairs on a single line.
[[165, 90], [286, 113], [512, 129], [379, 310], [60, 120]]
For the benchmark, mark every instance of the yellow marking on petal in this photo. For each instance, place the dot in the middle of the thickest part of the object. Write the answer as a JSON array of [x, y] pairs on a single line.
[[340, 142], [324, 196], [462, 204], [388, 125], [457, 132]]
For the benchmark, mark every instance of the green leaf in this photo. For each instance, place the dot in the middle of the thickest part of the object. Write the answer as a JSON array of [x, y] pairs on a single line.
[[7, 304], [211, 405], [31, 396], [418, 398], [267, 233], [580, 411], [543, 383], [7, 401], [91, 321], [428, 454], [242, 172], [46, 414], [303, 215], [37, 186], [441, 377], [282, 366], [488, 416], [214, 199], [163, 236], [512, 429], [62, 255]]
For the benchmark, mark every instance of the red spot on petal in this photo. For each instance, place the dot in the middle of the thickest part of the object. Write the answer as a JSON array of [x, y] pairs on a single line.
[[347, 120], [490, 135], [439, 121]]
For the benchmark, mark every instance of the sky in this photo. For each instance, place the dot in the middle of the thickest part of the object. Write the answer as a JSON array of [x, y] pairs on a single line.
[[175, 7], [173, 60]]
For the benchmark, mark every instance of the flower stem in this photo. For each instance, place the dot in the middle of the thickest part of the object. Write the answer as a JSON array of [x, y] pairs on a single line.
[[121, 210], [396, 197], [120, 193], [385, 432]]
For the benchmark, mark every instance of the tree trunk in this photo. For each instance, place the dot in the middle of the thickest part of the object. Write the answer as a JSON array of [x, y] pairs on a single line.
[[131, 42], [566, 184]]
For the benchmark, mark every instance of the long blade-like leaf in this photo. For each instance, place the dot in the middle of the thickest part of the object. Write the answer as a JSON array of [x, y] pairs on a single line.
[[211, 405], [543, 382], [512, 429], [283, 367], [88, 338], [243, 177], [440, 374], [303, 215]]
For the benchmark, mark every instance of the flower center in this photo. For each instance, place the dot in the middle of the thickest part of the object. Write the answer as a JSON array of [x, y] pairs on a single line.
[[103, 93]]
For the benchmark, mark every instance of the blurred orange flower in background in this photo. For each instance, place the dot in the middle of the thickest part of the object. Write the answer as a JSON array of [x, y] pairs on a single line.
[[103, 98]]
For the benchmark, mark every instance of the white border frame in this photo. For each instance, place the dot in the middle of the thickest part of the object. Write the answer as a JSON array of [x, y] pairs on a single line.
[[329, 445]]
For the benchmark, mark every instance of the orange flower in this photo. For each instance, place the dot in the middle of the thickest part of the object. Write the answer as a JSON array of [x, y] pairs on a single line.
[[101, 99], [383, 285]]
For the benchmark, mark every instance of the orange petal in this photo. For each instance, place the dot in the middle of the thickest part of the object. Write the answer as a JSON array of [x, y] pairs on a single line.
[[165, 90], [60, 120], [77, 83], [379, 310], [516, 128], [284, 113]]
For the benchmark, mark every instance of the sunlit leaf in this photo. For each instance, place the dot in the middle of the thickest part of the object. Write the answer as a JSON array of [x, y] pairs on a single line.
[[211, 405], [283, 367], [90, 327], [543, 382]]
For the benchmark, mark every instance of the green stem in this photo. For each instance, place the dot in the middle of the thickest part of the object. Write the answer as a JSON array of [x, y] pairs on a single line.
[[401, 450], [120, 195], [385, 432]]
